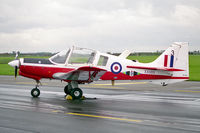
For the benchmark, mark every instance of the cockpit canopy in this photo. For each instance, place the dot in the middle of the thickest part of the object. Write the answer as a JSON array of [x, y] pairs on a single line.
[[60, 58], [74, 55]]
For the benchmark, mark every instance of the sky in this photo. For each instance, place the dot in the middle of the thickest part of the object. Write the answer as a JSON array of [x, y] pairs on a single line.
[[105, 25]]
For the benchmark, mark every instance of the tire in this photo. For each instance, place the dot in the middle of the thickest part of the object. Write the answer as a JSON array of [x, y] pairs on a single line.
[[76, 93], [35, 92], [67, 90]]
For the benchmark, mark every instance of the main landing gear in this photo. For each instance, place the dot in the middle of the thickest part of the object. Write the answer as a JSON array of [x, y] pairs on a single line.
[[73, 90], [70, 89], [35, 92]]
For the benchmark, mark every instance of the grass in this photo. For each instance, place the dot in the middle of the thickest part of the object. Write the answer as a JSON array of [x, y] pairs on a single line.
[[143, 59], [5, 69], [194, 67], [5, 60], [194, 63]]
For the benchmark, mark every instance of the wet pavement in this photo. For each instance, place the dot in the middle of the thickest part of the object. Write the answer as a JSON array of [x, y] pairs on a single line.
[[129, 106]]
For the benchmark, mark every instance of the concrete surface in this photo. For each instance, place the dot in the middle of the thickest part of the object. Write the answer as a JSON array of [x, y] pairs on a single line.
[[127, 107]]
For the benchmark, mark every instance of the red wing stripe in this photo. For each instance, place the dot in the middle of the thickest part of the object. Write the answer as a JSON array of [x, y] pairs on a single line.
[[179, 77], [155, 68], [173, 69]]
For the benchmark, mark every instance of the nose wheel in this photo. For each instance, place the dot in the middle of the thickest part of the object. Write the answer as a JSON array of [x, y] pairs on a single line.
[[35, 92]]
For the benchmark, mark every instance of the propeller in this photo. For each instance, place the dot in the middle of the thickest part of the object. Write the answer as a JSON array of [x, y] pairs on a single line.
[[15, 63], [17, 54], [16, 69]]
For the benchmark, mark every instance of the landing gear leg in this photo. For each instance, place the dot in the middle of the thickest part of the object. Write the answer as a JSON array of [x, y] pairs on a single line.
[[35, 92], [73, 90]]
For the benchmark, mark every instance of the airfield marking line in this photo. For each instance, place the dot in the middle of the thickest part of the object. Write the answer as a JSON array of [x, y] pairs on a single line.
[[187, 91], [122, 83], [55, 111], [104, 117]]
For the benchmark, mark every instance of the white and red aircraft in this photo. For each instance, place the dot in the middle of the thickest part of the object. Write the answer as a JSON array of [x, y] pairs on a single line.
[[81, 65]]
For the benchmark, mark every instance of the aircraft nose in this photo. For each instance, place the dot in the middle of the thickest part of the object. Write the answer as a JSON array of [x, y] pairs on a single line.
[[14, 63]]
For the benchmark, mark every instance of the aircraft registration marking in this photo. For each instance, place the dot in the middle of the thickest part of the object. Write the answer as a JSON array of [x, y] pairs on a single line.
[[104, 117], [150, 71]]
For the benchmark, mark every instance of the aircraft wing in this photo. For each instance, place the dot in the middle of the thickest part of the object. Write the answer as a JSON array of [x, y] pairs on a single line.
[[155, 68], [86, 73]]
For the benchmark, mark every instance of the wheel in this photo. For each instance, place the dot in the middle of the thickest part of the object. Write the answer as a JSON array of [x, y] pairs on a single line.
[[76, 93], [35, 92], [67, 90]]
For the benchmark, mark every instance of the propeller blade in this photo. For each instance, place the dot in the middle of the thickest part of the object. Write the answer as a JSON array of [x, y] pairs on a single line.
[[17, 54], [15, 63], [16, 68]]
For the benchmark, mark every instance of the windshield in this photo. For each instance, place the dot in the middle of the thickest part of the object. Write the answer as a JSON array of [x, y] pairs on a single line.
[[60, 58], [81, 56]]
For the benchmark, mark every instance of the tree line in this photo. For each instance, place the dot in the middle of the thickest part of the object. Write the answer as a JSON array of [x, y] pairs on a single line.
[[196, 52]]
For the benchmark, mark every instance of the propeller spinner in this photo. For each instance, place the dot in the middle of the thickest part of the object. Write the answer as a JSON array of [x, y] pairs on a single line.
[[15, 63]]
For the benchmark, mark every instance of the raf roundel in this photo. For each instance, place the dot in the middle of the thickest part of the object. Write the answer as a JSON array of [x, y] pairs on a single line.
[[116, 67]]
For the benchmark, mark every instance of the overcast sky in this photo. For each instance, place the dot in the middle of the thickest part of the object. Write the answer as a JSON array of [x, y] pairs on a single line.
[[105, 25]]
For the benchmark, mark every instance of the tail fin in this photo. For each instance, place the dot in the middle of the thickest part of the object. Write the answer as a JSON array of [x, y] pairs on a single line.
[[175, 57]]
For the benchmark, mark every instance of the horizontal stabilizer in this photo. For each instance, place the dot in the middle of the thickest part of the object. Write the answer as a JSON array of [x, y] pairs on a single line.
[[125, 54]]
